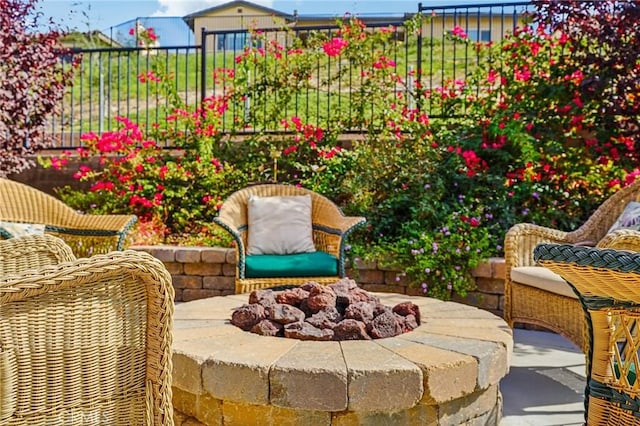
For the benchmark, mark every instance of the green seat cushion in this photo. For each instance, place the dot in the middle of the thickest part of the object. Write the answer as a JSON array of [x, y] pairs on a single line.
[[316, 264], [631, 374]]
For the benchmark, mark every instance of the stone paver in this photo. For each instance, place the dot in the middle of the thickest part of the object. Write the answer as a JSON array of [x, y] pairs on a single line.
[[492, 357], [474, 329], [238, 366], [447, 375], [462, 410], [268, 415], [297, 383], [380, 379], [189, 357], [198, 329]]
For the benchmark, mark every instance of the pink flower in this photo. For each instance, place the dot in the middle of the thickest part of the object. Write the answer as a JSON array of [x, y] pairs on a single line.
[[290, 149], [334, 46], [384, 62], [491, 77], [458, 31], [58, 162], [522, 74], [151, 34]]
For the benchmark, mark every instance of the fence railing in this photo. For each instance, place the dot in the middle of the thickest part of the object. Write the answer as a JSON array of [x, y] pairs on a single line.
[[112, 82]]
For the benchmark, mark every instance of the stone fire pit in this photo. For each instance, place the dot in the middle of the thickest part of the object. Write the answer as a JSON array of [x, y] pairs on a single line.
[[446, 371]]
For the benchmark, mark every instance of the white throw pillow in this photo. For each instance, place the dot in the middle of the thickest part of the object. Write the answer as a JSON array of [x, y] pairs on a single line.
[[279, 225], [16, 229], [629, 218]]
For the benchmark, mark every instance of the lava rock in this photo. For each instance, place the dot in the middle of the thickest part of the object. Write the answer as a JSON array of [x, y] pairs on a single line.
[[408, 308], [293, 296], [361, 311], [341, 289], [359, 295], [338, 311], [268, 328], [384, 325], [265, 297], [306, 331], [309, 285], [407, 323], [246, 316], [327, 318], [380, 309], [350, 329], [320, 298], [285, 314]]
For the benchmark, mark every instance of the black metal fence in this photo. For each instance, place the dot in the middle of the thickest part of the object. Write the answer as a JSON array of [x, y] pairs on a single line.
[[117, 82]]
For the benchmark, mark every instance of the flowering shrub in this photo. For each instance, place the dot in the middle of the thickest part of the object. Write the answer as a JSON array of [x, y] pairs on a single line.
[[526, 144], [177, 192], [145, 37]]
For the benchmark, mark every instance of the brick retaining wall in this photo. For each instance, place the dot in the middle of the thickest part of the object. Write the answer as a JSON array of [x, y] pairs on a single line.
[[200, 272]]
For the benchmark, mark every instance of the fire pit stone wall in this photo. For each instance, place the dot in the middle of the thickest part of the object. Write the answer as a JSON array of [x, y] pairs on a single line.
[[446, 371]]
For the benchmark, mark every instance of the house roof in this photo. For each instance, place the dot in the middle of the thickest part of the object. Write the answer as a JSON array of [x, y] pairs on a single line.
[[88, 39], [367, 19], [236, 3], [171, 31]]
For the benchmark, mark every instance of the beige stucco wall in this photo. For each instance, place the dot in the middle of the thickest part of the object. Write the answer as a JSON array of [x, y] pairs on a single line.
[[498, 25], [234, 18]]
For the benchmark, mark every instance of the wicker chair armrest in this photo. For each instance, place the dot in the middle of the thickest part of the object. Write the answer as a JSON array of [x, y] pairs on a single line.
[[610, 274], [231, 228], [521, 239], [622, 239], [343, 224], [33, 251], [229, 225], [101, 222], [26, 284], [48, 285]]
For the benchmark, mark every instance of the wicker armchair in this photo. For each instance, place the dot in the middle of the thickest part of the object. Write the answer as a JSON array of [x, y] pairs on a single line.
[[86, 341], [33, 251], [557, 307], [608, 284], [86, 234], [330, 230]]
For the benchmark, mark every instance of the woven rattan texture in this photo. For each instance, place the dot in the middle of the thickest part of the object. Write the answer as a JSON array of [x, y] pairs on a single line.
[[86, 234], [87, 342], [330, 230], [519, 244], [31, 252], [608, 284]]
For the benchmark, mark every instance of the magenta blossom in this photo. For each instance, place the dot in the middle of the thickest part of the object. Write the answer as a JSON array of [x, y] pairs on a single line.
[[458, 31], [334, 46]]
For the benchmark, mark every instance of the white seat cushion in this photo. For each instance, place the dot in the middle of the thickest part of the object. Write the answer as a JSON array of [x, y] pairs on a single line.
[[542, 278], [280, 225]]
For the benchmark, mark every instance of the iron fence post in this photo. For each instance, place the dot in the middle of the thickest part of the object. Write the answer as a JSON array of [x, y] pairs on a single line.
[[419, 64], [203, 65]]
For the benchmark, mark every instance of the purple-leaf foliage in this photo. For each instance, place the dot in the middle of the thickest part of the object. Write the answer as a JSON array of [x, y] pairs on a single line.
[[607, 50], [32, 83]]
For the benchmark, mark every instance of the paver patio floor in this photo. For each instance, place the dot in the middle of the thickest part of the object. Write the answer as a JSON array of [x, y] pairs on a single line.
[[545, 385]]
